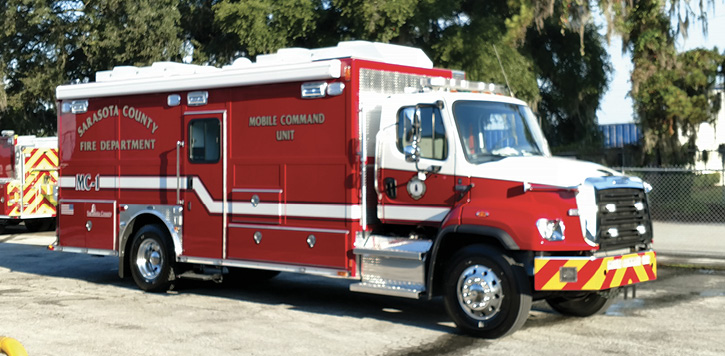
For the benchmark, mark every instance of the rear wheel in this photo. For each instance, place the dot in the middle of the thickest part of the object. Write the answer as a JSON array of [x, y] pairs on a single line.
[[151, 259], [486, 295], [582, 304]]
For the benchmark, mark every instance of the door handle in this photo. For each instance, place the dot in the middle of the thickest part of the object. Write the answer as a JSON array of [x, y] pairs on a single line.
[[463, 189]]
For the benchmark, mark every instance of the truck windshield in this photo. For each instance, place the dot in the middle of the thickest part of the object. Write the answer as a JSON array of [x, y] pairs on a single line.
[[492, 130]]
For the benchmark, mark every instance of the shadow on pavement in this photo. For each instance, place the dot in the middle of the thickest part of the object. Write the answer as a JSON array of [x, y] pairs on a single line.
[[301, 292]]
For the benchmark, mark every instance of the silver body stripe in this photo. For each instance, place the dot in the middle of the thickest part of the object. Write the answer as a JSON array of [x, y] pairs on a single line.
[[330, 211]]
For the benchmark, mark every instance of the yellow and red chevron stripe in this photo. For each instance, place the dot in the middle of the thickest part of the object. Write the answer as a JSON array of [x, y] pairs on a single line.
[[12, 199], [41, 180], [577, 273]]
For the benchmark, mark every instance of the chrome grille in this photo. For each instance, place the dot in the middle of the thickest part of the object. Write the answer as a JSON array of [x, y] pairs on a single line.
[[623, 218]]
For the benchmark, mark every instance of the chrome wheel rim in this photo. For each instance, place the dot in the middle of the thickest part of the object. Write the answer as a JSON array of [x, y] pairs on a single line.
[[479, 292], [149, 259]]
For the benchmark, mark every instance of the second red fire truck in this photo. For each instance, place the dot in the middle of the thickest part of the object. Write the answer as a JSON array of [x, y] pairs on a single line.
[[359, 161], [28, 180]]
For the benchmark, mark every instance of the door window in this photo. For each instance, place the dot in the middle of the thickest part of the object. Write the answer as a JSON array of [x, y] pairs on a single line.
[[433, 143], [204, 141]]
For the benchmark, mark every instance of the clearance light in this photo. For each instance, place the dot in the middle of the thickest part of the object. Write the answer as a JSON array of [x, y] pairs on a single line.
[[551, 230], [78, 106], [313, 90], [197, 98], [335, 89]]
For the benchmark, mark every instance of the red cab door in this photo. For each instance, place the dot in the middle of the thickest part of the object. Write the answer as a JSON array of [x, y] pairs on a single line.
[[423, 191]]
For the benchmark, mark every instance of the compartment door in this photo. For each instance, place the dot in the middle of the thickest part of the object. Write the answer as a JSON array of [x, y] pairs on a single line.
[[88, 224]]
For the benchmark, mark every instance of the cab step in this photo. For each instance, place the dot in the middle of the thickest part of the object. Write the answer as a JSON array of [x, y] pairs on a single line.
[[392, 266], [387, 289]]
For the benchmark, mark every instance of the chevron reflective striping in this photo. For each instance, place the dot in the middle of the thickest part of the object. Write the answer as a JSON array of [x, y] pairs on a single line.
[[13, 194], [595, 273], [41, 181]]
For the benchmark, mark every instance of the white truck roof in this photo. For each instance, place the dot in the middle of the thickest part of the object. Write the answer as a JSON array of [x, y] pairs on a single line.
[[288, 64]]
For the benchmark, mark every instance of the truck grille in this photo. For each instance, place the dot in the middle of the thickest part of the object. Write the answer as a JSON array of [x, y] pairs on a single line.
[[623, 218]]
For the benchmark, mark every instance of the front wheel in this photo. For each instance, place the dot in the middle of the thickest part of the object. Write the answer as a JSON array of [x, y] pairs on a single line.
[[151, 259], [583, 304], [486, 294]]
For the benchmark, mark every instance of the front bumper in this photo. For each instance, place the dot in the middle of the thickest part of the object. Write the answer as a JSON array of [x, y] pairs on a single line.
[[556, 273]]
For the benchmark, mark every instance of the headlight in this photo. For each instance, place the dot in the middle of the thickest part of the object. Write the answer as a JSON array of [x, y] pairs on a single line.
[[551, 230]]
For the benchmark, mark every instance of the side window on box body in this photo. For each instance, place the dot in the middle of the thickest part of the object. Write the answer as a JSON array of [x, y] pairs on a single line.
[[204, 137], [433, 143]]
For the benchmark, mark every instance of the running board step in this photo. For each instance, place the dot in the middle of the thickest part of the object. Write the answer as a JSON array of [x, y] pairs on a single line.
[[392, 266], [382, 246], [387, 289]]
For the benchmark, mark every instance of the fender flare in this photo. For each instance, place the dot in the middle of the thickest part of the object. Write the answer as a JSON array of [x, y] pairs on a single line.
[[125, 236], [502, 236], [11, 347]]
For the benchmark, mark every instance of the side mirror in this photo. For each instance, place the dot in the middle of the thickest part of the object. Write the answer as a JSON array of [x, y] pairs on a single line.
[[412, 153]]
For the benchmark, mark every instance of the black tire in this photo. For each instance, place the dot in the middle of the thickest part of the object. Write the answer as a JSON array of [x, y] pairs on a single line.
[[486, 294], [582, 304], [151, 259], [35, 225]]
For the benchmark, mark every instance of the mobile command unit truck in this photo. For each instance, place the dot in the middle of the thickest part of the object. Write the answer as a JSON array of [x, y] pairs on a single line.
[[28, 181], [359, 161]]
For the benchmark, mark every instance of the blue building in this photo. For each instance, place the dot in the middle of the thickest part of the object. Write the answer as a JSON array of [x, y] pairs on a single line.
[[620, 135]]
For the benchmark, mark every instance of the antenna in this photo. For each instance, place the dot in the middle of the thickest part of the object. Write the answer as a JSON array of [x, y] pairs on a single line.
[[503, 71]]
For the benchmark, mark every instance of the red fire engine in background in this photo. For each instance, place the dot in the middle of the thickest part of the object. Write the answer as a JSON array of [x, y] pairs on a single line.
[[359, 161], [28, 180]]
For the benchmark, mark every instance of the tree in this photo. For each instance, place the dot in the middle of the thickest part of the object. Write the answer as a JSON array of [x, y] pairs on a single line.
[[53, 42], [33, 40], [672, 92], [48, 43]]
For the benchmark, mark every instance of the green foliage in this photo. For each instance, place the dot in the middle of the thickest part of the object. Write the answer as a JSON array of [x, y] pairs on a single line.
[[551, 55], [263, 26], [48, 43], [706, 180], [376, 20], [117, 32], [571, 85], [673, 93]]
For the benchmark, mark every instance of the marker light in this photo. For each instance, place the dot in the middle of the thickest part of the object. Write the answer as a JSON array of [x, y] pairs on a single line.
[[551, 230], [613, 232]]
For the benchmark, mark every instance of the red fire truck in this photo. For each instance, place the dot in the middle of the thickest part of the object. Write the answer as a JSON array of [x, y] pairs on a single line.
[[359, 161], [28, 180]]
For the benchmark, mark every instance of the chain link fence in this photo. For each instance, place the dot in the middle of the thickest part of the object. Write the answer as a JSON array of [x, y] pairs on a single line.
[[684, 195]]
